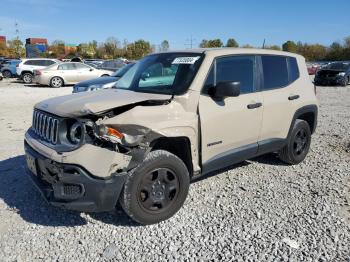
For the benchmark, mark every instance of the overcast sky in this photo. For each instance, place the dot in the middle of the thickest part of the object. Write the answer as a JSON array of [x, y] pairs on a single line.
[[248, 21]]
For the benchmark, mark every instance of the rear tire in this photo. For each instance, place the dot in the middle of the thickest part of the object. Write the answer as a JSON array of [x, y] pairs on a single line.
[[56, 82], [7, 74], [344, 81], [156, 189], [27, 78], [298, 143]]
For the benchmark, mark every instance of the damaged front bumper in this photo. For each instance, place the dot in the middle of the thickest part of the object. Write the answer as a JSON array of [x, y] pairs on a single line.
[[87, 181]]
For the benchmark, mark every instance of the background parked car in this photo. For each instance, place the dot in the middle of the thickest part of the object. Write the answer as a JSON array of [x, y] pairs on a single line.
[[112, 65], [312, 68], [69, 73], [9, 69], [25, 69], [101, 82], [334, 73]]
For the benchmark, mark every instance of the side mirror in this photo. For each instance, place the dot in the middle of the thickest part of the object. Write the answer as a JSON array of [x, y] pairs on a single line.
[[225, 89]]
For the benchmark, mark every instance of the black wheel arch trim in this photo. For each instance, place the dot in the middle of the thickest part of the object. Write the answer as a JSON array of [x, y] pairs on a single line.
[[301, 111]]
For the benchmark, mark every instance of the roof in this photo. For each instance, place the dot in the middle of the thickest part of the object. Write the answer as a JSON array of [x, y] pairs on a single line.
[[233, 50]]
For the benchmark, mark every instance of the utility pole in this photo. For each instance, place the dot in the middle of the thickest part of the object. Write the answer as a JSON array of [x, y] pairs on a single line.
[[190, 42]]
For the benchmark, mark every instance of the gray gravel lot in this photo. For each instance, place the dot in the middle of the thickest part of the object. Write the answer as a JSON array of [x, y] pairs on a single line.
[[259, 210]]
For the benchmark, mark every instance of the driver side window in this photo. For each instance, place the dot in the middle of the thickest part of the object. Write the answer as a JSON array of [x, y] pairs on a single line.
[[232, 69]]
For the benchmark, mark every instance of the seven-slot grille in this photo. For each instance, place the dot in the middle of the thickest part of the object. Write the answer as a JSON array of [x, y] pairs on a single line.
[[45, 126]]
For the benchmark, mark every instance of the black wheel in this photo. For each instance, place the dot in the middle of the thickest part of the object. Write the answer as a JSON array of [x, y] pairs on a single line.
[[298, 143], [344, 81], [156, 189], [7, 74], [56, 82], [27, 78]]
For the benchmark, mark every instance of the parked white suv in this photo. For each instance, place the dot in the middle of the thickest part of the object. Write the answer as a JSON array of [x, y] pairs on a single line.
[[25, 69]]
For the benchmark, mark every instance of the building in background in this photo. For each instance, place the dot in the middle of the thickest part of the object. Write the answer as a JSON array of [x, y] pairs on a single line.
[[35, 46]]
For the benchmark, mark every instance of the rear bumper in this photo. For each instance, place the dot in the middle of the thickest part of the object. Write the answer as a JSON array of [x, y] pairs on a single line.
[[71, 186]]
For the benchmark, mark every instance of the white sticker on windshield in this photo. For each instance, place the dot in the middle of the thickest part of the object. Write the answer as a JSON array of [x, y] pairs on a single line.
[[190, 60]]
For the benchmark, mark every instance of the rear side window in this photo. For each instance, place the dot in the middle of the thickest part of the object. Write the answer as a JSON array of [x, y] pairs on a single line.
[[66, 67], [275, 71], [293, 69], [30, 62], [237, 69], [48, 62]]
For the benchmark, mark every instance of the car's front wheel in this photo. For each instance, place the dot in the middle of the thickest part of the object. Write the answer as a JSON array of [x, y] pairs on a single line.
[[27, 78], [156, 189], [298, 143], [56, 82]]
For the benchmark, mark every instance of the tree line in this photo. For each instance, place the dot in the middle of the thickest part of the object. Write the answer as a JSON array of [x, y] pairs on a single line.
[[113, 48]]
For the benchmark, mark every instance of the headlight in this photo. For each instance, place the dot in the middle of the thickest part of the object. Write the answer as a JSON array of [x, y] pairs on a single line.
[[341, 74], [76, 132], [116, 136]]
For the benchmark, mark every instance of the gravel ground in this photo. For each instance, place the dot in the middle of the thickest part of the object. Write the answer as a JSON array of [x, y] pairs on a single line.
[[259, 210]]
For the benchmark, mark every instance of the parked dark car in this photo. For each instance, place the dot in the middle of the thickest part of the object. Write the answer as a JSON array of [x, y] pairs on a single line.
[[112, 65], [101, 82], [336, 73]]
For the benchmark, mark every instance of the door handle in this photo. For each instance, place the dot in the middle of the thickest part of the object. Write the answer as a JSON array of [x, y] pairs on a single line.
[[256, 105], [293, 97]]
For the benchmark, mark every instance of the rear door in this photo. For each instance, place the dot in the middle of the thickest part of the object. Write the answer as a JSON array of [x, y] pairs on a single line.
[[279, 94], [68, 72], [230, 128]]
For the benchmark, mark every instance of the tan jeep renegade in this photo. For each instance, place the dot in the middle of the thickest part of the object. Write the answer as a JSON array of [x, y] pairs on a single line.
[[172, 117]]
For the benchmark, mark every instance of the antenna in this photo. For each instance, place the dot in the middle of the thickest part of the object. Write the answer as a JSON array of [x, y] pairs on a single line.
[[191, 42]]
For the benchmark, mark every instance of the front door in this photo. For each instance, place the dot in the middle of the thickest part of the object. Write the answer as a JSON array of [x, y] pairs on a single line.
[[230, 128]]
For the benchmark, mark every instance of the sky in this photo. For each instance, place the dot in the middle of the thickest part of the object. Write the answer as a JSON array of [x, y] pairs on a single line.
[[248, 21]]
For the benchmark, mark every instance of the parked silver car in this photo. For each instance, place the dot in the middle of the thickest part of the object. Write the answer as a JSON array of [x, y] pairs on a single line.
[[67, 74]]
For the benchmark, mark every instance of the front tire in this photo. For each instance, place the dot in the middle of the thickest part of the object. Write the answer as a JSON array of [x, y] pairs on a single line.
[[298, 143], [56, 82], [156, 189], [27, 78]]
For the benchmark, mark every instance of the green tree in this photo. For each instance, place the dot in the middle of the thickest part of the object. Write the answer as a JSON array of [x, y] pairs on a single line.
[[3, 49], [273, 47], [231, 42], [112, 46], [16, 48], [290, 46], [211, 43], [138, 49], [57, 48], [164, 46]]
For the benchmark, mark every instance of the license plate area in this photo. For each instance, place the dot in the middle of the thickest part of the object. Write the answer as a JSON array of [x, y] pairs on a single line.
[[31, 164]]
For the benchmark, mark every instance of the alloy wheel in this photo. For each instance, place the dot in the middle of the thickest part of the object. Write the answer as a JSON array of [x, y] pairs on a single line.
[[300, 142]]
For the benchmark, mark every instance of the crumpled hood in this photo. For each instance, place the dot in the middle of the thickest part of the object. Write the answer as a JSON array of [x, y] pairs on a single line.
[[94, 102]]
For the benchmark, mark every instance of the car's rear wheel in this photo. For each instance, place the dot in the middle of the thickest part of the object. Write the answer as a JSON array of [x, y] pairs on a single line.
[[56, 82], [156, 189], [344, 81], [27, 78], [298, 143], [7, 74]]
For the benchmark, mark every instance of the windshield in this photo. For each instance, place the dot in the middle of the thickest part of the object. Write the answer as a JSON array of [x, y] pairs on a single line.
[[120, 72], [166, 73], [338, 66]]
